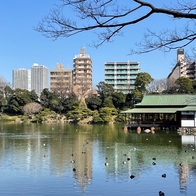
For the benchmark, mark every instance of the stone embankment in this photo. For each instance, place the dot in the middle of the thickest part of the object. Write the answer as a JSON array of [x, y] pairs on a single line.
[[190, 130]]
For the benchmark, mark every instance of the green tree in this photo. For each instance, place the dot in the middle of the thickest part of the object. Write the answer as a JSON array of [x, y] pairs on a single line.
[[106, 114], [185, 85], [17, 100], [107, 102], [45, 98], [97, 118], [104, 90], [93, 102], [137, 96], [78, 114], [118, 99], [51, 101], [33, 96], [194, 85], [70, 103], [142, 80], [129, 100]]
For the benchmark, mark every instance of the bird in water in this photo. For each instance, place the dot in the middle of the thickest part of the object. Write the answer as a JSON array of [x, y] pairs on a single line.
[[161, 193], [132, 176]]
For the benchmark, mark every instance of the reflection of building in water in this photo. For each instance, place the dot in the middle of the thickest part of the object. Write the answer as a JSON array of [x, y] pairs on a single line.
[[184, 173], [189, 143], [62, 149], [188, 139], [121, 162], [83, 161], [24, 149]]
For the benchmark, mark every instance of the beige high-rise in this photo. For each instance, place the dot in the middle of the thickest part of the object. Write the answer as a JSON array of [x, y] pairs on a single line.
[[61, 81], [82, 73]]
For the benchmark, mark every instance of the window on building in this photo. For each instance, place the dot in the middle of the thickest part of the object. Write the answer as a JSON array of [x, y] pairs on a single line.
[[187, 117]]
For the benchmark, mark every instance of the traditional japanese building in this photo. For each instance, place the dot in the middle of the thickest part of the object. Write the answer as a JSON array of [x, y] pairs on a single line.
[[172, 111]]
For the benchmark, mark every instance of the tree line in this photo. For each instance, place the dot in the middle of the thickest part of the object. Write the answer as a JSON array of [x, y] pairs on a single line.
[[102, 107]]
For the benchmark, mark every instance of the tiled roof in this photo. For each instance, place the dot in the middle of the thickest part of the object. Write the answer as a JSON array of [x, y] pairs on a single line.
[[151, 110], [168, 100]]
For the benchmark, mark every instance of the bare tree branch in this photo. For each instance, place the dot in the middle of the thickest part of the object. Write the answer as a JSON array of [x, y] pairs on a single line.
[[109, 18]]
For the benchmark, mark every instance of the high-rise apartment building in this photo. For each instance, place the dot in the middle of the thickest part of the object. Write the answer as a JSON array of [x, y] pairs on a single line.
[[61, 81], [183, 67], [39, 78], [21, 78], [82, 73], [121, 75]]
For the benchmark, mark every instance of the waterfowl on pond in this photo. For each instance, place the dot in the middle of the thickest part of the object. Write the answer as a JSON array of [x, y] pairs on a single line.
[[124, 162], [74, 169], [106, 164], [164, 175], [161, 193], [154, 158], [147, 130], [128, 159], [132, 176], [153, 163]]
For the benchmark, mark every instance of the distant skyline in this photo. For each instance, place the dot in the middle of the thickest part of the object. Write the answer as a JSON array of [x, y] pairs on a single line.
[[21, 46]]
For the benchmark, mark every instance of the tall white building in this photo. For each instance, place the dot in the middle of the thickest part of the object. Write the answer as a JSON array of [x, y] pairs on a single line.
[[121, 75], [21, 78], [39, 78]]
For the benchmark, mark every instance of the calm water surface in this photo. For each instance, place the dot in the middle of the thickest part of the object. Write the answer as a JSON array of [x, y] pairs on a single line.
[[60, 159]]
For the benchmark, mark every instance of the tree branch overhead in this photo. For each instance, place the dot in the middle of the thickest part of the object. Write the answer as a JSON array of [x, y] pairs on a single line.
[[108, 18]]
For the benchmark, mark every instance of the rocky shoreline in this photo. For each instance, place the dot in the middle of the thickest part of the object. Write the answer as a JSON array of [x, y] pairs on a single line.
[[187, 130]]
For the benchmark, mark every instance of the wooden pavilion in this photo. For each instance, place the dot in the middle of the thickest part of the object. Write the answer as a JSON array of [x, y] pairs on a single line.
[[164, 111]]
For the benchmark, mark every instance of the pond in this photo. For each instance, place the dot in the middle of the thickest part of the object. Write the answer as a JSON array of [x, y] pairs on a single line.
[[77, 160]]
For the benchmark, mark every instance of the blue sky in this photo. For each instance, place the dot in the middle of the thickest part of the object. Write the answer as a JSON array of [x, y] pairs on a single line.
[[21, 46]]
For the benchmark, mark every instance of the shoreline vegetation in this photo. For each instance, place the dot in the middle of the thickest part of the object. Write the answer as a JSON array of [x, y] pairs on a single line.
[[49, 119]]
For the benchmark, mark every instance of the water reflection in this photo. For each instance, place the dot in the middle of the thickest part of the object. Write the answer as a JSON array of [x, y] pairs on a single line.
[[94, 155]]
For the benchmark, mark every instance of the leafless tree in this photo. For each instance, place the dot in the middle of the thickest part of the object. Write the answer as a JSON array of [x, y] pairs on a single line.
[[171, 83], [110, 17], [3, 83], [83, 89], [32, 108], [157, 86], [63, 86]]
